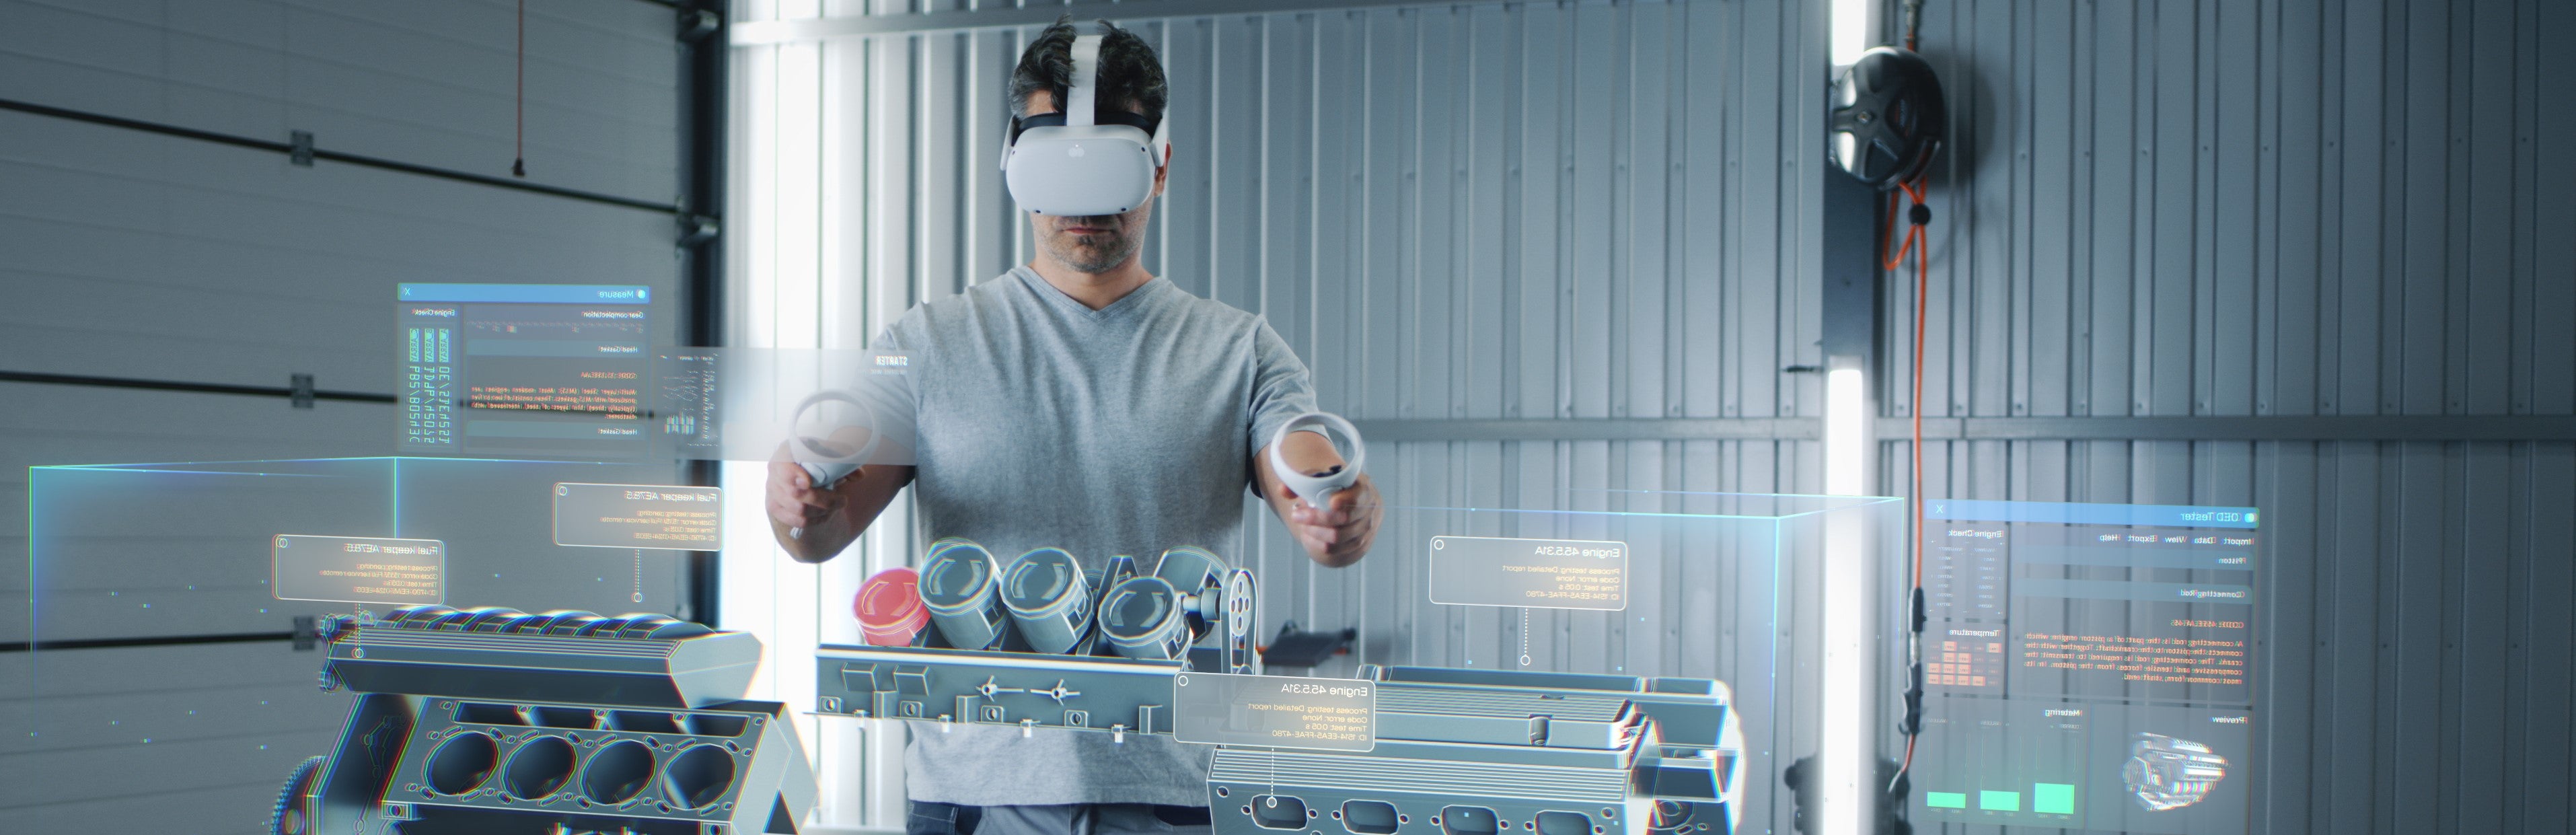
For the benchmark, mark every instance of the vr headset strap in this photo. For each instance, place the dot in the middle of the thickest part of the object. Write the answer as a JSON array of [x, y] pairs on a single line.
[[1082, 100], [1083, 96]]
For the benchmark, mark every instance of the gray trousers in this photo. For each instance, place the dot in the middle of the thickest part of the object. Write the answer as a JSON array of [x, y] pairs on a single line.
[[1080, 819]]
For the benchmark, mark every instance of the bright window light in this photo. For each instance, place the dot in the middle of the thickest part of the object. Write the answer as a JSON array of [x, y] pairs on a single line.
[[1844, 759], [1848, 25], [1846, 433], [763, 592]]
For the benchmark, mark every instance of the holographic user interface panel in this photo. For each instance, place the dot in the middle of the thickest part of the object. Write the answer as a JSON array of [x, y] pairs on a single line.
[[495, 369], [2088, 666]]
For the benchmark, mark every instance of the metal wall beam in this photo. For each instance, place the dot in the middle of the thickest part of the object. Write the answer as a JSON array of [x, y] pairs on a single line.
[[705, 111], [192, 387], [2315, 428], [164, 641], [2358, 428], [755, 33], [1592, 429], [304, 154]]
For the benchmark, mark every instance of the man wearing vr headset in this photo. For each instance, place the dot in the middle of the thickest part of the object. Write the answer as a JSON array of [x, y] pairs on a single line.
[[1080, 402]]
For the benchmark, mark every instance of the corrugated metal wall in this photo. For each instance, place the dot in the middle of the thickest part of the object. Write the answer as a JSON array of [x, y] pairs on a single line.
[[1478, 211], [2340, 224], [2280, 209], [128, 253], [1455, 213]]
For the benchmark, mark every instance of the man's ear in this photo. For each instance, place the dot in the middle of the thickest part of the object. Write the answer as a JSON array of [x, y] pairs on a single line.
[[1164, 171]]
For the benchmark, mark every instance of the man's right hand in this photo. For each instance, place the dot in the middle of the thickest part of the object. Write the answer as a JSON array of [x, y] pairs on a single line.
[[794, 500]]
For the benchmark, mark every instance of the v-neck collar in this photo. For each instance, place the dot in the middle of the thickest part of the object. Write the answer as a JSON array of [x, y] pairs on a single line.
[[1114, 310]]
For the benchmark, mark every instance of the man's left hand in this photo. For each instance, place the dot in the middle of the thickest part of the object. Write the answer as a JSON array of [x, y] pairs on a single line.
[[1340, 533]]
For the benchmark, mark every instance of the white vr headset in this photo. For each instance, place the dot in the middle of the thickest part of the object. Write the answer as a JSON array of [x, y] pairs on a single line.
[[1063, 163]]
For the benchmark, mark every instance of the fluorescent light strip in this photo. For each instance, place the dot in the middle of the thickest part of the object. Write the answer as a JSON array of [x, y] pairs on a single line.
[[1843, 757], [1846, 433], [1848, 27]]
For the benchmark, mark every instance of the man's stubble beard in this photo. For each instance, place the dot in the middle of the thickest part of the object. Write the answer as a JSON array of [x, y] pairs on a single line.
[[1088, 254]]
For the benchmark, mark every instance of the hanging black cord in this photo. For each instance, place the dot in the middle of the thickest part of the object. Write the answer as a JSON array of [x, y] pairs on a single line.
[[519, 132]]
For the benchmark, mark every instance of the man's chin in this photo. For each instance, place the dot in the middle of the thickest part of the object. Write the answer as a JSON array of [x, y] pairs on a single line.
[[1089, 259]]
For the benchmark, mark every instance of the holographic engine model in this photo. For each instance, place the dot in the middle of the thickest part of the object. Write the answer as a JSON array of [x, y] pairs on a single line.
[[492, 720], [1040, 644], [2166, 773]]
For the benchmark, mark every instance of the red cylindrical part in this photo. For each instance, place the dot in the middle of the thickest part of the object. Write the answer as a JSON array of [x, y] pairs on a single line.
[[889, 607]]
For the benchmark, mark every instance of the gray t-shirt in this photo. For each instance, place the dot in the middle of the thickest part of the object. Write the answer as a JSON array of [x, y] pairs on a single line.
[[1124, 430]]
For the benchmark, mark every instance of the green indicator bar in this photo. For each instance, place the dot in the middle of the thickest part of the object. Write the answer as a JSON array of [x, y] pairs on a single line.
[[2052, 798], [1999, 801], [1946, 800]]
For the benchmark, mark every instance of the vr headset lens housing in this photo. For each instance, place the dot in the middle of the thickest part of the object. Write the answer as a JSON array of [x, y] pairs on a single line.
[[1023, 124], [1069, 163]]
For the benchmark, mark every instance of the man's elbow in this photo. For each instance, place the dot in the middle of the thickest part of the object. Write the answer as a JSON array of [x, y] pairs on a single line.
[[802, 551], [1329, 559]]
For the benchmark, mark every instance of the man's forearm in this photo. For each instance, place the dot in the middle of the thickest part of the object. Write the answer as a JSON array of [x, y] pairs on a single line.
[[864, 497], [1339, 534], [818, 543]]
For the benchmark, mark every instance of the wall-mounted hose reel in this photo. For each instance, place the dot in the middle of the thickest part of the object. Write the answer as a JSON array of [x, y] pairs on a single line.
[[1889, 117]]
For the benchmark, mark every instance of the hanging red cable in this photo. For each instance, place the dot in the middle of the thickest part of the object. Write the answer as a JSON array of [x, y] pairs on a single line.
[[1919, 244], [1921, 247]]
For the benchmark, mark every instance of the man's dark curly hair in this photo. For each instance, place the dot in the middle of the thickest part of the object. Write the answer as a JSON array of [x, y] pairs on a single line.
[[1130, 74]]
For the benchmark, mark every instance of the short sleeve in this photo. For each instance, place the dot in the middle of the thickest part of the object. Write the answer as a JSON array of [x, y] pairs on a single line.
[[900, 333], [888, 381], [1281, 387]]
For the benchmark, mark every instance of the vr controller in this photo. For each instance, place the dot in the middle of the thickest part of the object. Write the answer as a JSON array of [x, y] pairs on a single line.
[[815, 447], [1318, 489]]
